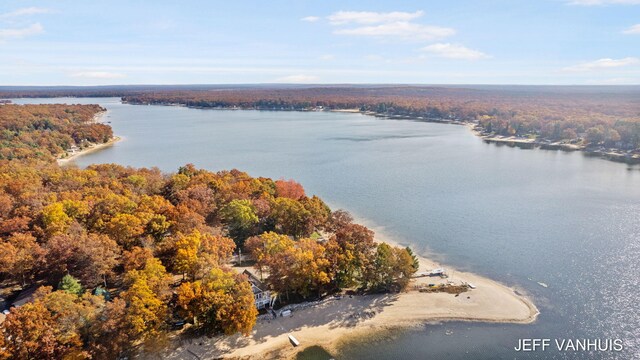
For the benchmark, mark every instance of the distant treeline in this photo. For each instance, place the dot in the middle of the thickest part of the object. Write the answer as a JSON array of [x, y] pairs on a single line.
[[610, 118], [46, 131], [588, 115]]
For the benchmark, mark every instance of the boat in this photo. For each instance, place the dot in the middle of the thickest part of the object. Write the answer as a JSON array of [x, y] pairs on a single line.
[[471, 286], [293, 340]]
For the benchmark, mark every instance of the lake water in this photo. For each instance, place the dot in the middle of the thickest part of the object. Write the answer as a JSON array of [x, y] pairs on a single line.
[[523, 217]]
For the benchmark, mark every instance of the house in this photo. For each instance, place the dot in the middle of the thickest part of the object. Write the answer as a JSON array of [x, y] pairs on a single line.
[[261, 295]]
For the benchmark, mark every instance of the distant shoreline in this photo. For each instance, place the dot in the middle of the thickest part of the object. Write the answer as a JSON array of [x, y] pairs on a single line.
[[611, 154]]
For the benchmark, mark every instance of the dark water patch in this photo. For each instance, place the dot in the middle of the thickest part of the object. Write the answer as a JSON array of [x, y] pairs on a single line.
[[314, 353]]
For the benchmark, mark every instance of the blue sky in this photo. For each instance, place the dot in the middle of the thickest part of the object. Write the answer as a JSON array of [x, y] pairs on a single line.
[[426, 42]]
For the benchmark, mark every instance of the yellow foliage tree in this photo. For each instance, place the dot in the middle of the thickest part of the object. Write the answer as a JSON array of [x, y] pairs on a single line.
[[221, 301], [55, 219], [186, 259], [146, 312]]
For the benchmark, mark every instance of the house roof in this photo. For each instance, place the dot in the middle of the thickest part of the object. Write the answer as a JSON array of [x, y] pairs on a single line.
[[255, 281]]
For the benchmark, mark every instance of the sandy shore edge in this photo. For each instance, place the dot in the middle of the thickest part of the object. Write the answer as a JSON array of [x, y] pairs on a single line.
[[333, 322], [89, 149]]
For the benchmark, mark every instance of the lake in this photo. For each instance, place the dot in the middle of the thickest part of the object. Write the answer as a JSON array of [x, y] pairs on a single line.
[[523, 217]]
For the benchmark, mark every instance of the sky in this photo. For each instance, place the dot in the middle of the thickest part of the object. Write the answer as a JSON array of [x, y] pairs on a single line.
[[577, 42]]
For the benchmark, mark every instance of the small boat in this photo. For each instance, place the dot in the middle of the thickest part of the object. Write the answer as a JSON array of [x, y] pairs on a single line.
[[471, 286], [293, 340]]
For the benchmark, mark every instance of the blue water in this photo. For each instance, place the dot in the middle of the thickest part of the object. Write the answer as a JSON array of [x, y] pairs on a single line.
[[518, 216]]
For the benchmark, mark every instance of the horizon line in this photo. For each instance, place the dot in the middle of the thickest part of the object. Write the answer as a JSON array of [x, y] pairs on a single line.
[[320, 85]]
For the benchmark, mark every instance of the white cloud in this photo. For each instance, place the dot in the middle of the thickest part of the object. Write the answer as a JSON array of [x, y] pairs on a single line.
[[18, 33], [603, 2], [26, 11], [400, 29], [310, 18], [635, 29], [369, 17], [299, 79], [603, 64], [98, 75], [327, 57], [454, 51], [395, 24]]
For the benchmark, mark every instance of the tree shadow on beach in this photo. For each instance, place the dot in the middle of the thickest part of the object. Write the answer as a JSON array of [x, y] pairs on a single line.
[[346, 312]]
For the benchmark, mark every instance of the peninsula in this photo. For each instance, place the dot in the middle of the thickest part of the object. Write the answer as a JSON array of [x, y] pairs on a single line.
[[146, 256]]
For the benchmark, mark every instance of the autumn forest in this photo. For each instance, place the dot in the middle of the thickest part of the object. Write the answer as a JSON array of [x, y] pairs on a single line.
[[116, 259]]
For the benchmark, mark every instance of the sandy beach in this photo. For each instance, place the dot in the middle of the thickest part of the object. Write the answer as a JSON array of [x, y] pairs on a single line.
[[66, 158], [95, 147], [346, 110], [333, 321]]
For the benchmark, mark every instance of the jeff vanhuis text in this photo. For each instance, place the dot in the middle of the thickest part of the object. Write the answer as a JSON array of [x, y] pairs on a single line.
[[569, 344]]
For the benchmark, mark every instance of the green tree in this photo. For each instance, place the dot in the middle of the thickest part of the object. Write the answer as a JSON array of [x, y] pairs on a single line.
[[415, 263], [391, 269], [70, 285], [240, 218]]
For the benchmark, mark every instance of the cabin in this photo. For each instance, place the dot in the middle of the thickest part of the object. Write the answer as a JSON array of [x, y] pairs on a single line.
[[261, 295]]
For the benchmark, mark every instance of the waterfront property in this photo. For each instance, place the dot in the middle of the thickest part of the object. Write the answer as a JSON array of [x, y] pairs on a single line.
[[261, 295]]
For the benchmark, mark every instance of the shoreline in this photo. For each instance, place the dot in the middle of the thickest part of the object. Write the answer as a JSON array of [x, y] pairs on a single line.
[[612, 154], [331, 322], [92, 148], [62, 161]]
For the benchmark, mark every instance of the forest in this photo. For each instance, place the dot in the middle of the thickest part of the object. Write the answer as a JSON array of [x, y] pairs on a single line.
[[46, 131], [117, 258]]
